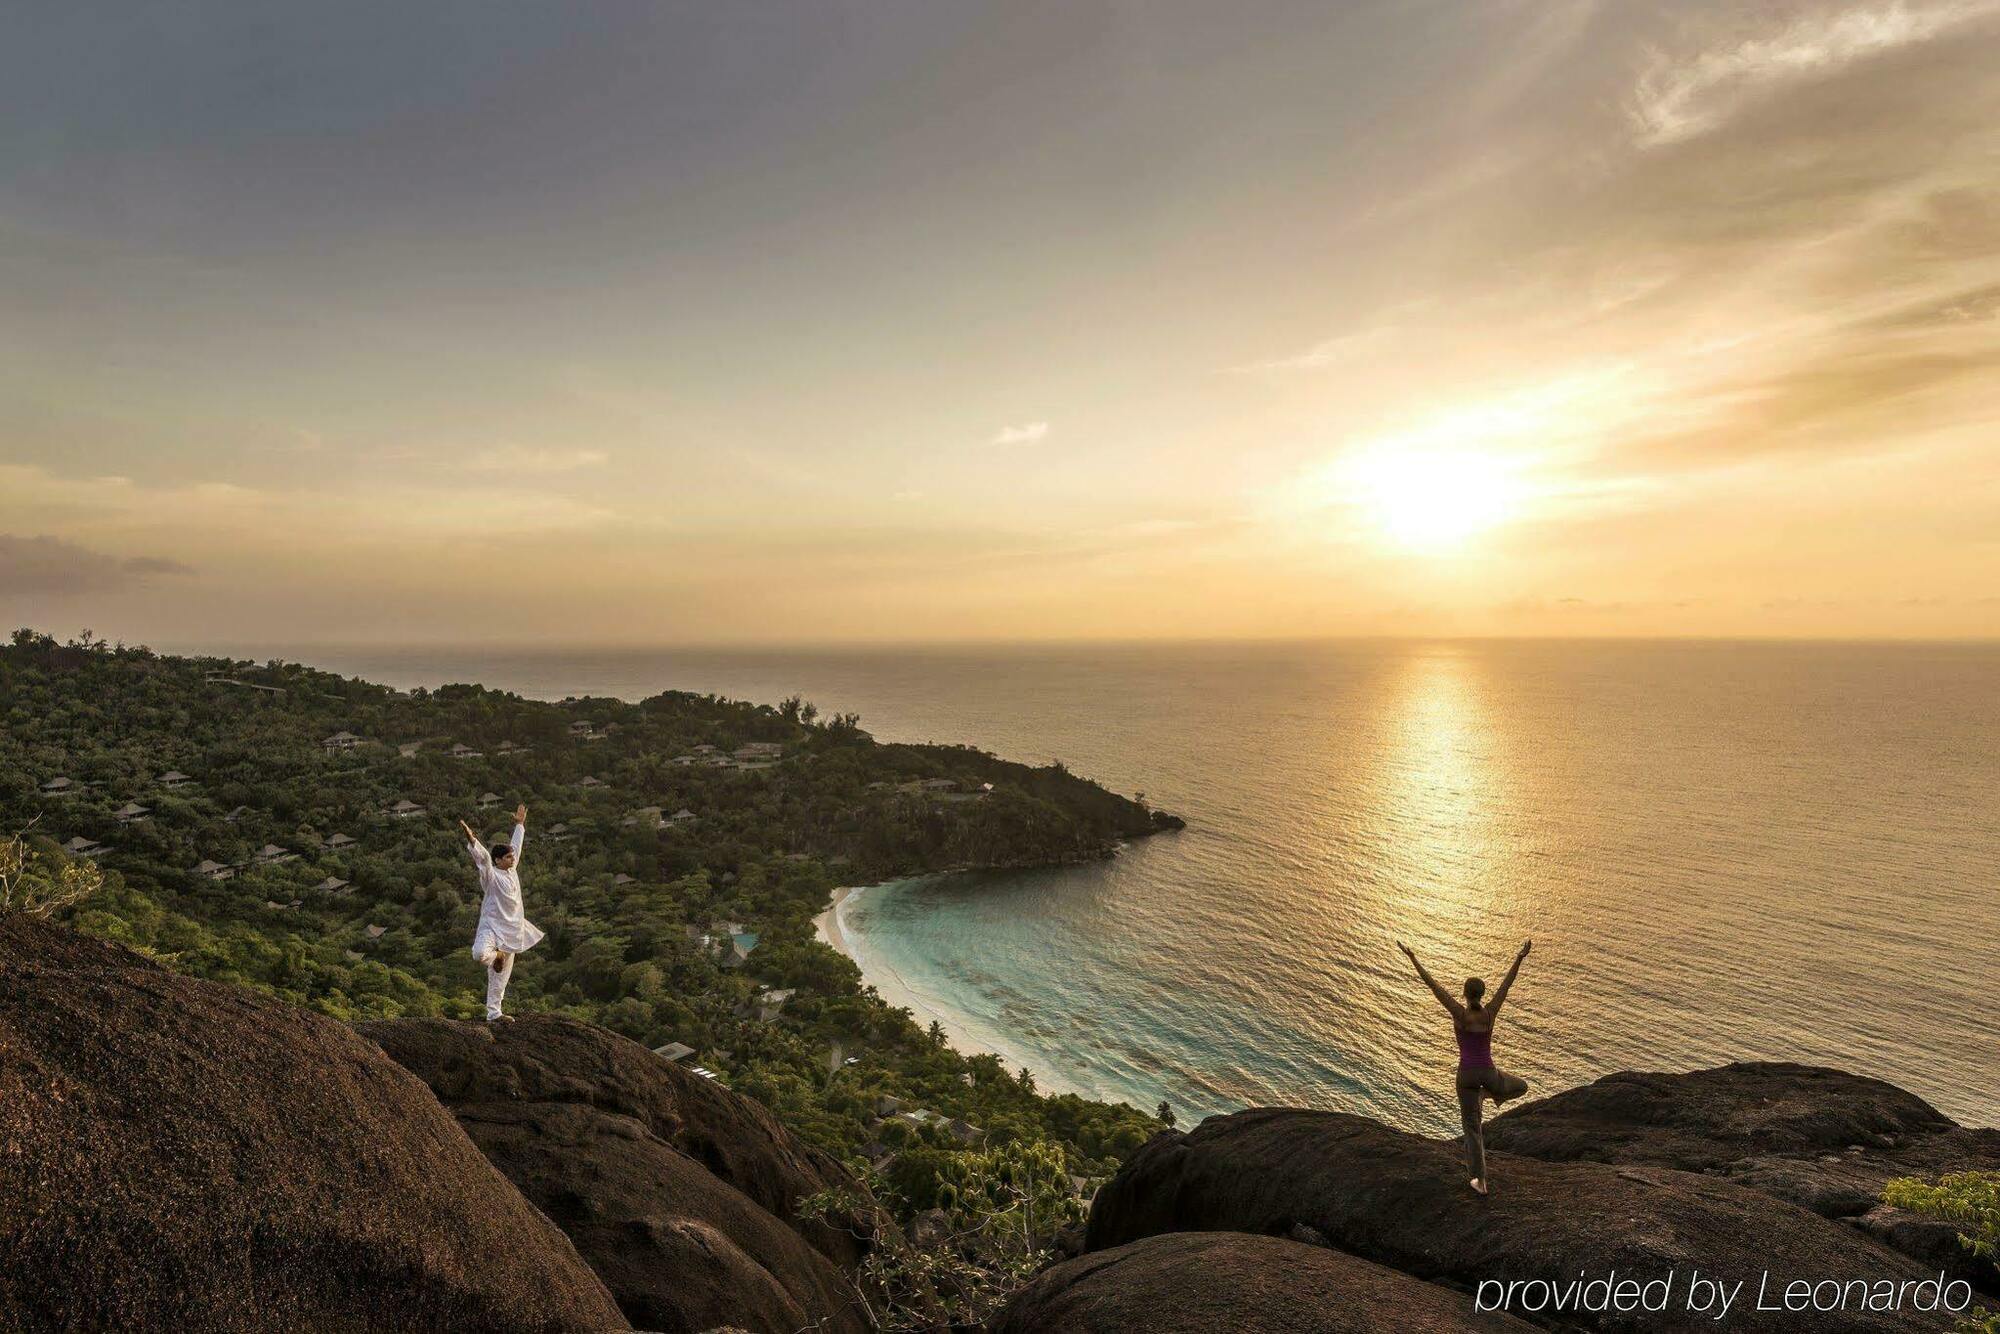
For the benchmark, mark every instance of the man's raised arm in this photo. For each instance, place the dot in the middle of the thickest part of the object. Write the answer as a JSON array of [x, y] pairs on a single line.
[[520, 830], [473, 845]]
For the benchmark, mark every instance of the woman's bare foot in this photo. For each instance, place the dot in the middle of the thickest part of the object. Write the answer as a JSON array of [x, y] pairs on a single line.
[[1479, 1184]]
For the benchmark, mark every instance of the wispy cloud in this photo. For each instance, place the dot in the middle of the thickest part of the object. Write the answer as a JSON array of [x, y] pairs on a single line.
[[539, 462], [1027, 433], [1682, 96], [52, 565]]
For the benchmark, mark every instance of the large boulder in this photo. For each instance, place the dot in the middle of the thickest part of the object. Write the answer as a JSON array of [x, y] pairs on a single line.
[[183, 1155], [681, 1194], [1199, 1282], [1402, 1201], [1822, 1139]]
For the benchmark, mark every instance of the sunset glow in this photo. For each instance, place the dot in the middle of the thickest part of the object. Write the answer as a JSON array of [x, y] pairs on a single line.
[[1431, 500], [1594, 320]]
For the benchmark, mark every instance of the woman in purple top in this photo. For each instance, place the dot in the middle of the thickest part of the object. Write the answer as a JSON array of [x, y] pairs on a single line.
[[1478, 1078]]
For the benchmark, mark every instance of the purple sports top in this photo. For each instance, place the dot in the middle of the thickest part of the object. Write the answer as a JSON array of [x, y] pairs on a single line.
[[1475, 1049]]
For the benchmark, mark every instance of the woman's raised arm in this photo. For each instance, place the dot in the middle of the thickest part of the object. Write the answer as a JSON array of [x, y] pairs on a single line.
[[1445, 998], [1508, 981]]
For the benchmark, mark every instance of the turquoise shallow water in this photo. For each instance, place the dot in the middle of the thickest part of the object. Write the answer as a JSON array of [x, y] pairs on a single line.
[[1723, 851]]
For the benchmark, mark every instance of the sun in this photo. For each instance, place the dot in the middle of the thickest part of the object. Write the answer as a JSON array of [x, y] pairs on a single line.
[[1433, 499]]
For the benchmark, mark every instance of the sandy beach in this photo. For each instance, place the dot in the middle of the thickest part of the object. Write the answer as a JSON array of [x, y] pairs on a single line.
[[831, 930], [827, 925]]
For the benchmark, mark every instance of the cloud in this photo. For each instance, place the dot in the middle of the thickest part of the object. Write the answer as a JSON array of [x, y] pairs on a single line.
[[52, 565], [1343, 350], [1027, 433], [539, 462], [1683, 97], [155, 565]]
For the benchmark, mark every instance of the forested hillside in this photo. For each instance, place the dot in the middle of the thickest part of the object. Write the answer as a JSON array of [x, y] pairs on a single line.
[[295, 831]]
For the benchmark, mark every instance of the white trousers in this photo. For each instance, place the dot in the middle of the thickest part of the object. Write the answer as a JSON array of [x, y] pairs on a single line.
[[496, 980]]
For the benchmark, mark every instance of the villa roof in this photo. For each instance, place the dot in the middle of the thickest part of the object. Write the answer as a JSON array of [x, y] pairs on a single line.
[[674, 1051], [333, 882], [406, 805], [132, 808]]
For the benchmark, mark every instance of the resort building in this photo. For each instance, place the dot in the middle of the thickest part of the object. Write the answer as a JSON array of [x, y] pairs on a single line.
[[333, 884], [587, 781], [341, 741], [769, 1004], [174, 778], [405, 810], [374, 932], [85, 847], [340, 842], [621, 880], [60, 787], [683, 816], [741, 945], [558, 833], [223, 679], [271, 854], [461, 751], [488, 799], [209, 870], [674, 1051], [131, 813]]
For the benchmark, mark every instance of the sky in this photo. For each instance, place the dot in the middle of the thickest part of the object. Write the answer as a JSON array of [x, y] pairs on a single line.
[[667, 323]]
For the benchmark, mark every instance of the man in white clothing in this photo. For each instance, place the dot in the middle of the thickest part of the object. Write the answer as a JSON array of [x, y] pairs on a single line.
[[504, 929]]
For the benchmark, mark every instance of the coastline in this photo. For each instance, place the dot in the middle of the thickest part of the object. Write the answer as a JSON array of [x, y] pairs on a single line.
[[830, 928]]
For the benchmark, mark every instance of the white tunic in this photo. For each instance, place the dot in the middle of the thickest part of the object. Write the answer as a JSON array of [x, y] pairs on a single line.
[[503, 925]]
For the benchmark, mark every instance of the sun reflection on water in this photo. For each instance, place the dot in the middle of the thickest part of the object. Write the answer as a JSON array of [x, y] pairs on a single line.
[[1440, 788]]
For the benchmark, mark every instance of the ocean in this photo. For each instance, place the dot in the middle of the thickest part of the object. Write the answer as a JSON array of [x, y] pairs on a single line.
[[1722, 851]]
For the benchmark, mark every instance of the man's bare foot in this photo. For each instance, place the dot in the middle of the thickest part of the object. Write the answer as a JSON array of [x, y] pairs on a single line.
[[1479, 1184], [499, 1018], [499, 962]]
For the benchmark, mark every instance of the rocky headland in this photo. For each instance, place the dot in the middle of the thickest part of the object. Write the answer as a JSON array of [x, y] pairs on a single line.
[[185, 1155]]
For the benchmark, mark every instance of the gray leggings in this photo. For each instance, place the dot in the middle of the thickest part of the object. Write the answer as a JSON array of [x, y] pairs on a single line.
[[1473, 1087]]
